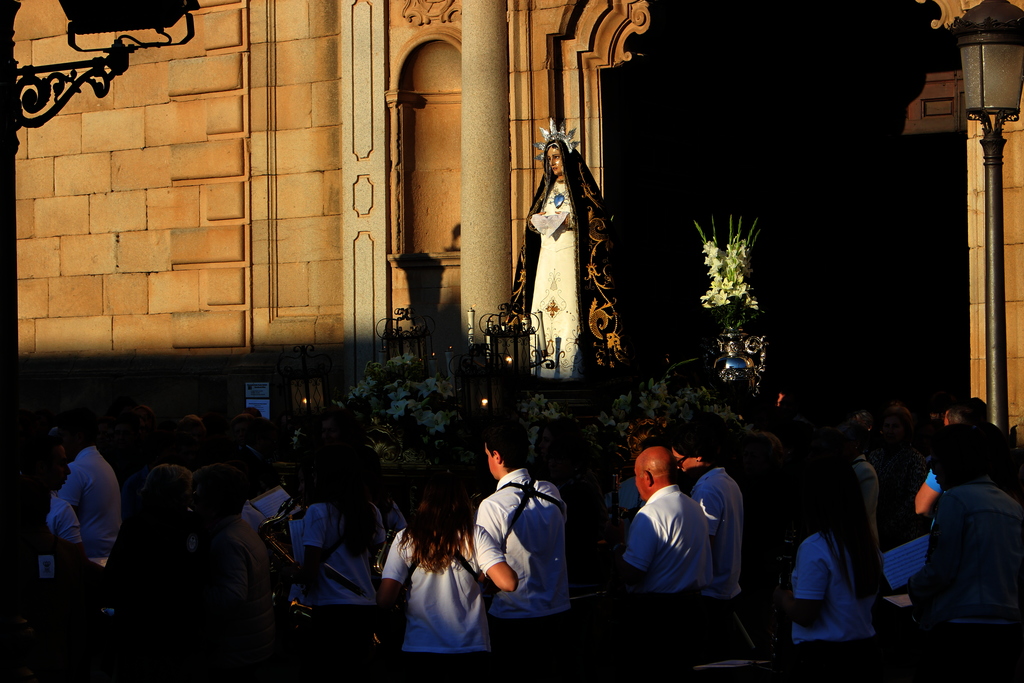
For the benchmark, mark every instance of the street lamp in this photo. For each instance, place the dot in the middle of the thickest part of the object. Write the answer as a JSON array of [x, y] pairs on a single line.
[[991, 41], [112, 16]]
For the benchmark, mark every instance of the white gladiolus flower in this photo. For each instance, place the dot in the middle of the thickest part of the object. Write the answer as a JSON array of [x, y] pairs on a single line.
[[728, 269]]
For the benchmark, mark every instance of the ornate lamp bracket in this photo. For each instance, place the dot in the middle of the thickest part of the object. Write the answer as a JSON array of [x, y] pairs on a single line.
[[43, 91], [992, 126]]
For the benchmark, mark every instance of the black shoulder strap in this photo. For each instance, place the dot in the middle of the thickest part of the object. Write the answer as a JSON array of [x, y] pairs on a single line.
[[408, 579], [334, 546], [465, 564], [458, 556], [529, 491]]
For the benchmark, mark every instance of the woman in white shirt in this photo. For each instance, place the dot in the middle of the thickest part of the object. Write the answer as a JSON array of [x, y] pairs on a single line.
[[440, 558], [340, 531], [835, 580]]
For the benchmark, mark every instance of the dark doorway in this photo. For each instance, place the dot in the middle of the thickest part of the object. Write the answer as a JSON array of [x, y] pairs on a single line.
[[795, 119]]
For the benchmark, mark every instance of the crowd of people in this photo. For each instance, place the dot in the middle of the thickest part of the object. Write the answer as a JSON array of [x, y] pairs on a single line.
[[142, 553]]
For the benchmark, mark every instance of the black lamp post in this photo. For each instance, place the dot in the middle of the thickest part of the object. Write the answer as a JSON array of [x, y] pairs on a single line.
[[991, 41], [29, 97]]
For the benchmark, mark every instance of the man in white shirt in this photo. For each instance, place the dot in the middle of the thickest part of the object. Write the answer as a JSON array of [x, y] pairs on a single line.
[[697, 448], [669, 550], [91, 487], [666, 563], [527, 519], [43, 459]]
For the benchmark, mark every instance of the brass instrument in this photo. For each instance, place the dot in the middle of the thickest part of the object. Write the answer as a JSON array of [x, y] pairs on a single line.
[[381, 558], [299, 612], [273, 527], [273, 531]]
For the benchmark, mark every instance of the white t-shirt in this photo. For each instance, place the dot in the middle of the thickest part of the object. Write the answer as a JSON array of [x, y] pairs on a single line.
[[816, 576], [62, 520], [446, 610], [722, 502], [92, 488], [323, 525], [669, 540], [535, 548]]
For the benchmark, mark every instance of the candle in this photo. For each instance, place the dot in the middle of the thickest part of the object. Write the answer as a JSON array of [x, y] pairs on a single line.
[[432, 364], [558, 357], [470, 315], [448, 362]]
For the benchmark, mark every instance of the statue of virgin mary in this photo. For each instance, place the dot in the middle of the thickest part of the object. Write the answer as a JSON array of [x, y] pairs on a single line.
[[564, 276]]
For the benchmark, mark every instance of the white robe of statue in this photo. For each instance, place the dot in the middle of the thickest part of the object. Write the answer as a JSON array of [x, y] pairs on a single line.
[[555, 294]]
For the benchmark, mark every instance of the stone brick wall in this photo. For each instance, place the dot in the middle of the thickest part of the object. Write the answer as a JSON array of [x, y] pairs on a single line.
[[133, 209], [297, 285]]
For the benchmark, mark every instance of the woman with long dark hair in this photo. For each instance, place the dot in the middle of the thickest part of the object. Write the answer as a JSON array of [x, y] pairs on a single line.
[[439, 557], [564, 269], [340, 530], [835, 579]]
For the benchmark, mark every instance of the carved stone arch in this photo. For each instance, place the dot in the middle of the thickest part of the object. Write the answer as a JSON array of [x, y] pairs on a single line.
[[602, 33], [598, 41], [451, 36]]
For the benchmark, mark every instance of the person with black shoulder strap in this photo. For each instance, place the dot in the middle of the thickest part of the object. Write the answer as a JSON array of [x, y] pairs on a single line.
[[441, 559], [527, 518]]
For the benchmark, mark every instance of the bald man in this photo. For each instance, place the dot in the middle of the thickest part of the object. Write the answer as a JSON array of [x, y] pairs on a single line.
[[666, 563], [669, 550]]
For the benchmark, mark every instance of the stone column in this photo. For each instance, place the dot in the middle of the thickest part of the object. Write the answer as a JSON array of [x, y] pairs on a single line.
[[486, 159]]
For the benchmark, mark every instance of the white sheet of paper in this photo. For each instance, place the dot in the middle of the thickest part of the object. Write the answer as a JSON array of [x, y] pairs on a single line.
[[295, 528], [547, 224], [903, 561], [269, 502]]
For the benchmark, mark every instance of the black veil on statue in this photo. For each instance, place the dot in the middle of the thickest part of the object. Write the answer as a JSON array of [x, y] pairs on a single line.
[[602, 341]]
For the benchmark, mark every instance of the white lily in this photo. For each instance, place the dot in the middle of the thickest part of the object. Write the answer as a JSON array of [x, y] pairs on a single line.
[[397, 408]]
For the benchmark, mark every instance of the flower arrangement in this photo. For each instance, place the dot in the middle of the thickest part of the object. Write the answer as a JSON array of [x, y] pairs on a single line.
[[655, 406], [414, 418], [419, 411], [730, 296]]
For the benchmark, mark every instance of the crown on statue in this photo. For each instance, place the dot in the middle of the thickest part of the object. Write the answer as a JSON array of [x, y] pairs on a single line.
[[556, 133]]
